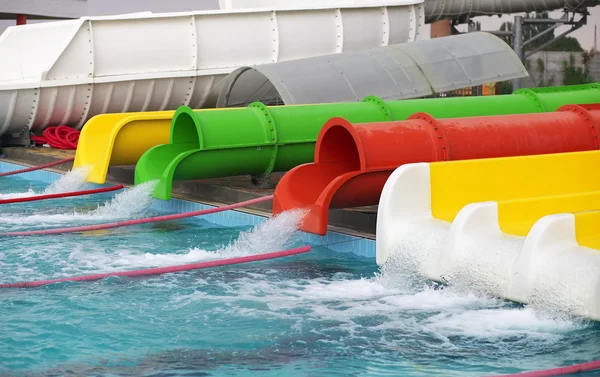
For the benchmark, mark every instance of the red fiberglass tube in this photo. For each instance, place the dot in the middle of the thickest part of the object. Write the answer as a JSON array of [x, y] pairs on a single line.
[[166, 270]]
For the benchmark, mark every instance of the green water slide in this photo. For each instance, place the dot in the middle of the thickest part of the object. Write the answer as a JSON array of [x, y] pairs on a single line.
[[258, 140]]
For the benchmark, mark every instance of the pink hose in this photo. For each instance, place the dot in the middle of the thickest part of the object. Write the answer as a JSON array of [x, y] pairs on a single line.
[[85, 228], [34, 168], [572, 369], [165, 270], [60, 195]]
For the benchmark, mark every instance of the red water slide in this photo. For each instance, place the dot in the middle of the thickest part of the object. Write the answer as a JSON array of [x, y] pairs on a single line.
[[353, 161]]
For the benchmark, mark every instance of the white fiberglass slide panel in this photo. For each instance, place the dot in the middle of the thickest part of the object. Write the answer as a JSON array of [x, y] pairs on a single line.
[[408, 70], [231, 40], [453, 9], [554, 269], [149, 62], [399, 32], [320, 35], [28, 51], [148, 45], [364, 29]]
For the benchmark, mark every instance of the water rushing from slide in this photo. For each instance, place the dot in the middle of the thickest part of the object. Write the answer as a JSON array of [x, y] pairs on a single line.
[[130, 203], [483, 267]]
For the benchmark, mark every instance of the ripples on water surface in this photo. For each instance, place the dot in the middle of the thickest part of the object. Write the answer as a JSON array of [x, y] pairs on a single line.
[[317, 314]]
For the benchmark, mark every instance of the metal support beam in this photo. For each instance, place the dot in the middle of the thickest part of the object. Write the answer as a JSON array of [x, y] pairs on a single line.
[[574, 27], [518, 45]]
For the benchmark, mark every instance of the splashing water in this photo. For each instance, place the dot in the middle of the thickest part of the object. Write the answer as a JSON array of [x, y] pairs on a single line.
[[15, 195], [275, 234], [128, 204], [71, 181]]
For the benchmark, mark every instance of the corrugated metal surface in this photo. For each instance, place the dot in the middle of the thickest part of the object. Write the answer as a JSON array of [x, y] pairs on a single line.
[[65, 72], [453, 9], [401, 71]]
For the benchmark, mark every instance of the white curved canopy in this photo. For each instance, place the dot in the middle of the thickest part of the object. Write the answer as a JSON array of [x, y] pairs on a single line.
[[408, 70]]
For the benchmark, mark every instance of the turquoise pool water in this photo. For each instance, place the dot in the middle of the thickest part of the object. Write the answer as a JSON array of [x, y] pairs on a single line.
[[319, 314]]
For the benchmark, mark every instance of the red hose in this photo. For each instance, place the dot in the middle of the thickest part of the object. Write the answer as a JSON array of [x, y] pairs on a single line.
[[165, 270], [59, 137], [572, 369], [85, 228], [39, 167], [60, 195]]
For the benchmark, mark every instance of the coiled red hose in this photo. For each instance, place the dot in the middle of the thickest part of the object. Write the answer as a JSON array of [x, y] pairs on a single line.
[[59, 137], [165, 270], [87, 228], [39, 167], [60, 195]]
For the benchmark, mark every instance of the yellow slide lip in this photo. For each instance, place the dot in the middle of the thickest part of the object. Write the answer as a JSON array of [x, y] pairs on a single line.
[[517, 217], [103, 140]]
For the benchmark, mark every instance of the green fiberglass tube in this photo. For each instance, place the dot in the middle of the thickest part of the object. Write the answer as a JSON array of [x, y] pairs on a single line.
[[259, 140]]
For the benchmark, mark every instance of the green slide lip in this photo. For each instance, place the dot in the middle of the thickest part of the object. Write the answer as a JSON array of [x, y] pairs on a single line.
[[259, 140]]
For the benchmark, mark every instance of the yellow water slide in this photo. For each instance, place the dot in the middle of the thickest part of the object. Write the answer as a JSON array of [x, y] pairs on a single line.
[[120, 139], [587, 229], [524, 187]]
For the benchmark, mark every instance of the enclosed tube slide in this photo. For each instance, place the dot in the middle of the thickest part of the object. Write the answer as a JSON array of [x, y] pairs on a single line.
[[456, 9], [353, 161], [260, 140], [65, 72], [492, 224], [442, 9], [112, 139]]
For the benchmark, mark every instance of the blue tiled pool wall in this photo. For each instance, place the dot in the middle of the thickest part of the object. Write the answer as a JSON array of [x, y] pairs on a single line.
[[332, 240]]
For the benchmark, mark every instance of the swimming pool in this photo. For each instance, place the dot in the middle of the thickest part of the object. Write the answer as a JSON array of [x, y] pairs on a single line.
[[324, 313]]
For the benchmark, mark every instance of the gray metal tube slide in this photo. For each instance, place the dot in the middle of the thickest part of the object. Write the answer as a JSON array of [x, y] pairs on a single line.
[[452, 9]]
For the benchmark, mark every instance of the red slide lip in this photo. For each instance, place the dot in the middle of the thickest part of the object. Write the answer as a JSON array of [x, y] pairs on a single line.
[[353, 161]]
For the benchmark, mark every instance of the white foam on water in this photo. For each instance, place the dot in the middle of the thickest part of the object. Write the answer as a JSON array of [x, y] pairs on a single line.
[[500, 322], [272, 235], [15, 195], [128, 204], [366, 305], [73, 180]]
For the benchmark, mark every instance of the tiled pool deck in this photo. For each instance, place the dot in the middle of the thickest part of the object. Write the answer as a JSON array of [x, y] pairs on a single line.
[[333, 240]]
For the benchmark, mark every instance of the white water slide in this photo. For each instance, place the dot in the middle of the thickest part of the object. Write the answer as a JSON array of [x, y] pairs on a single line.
[[65, 72]]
